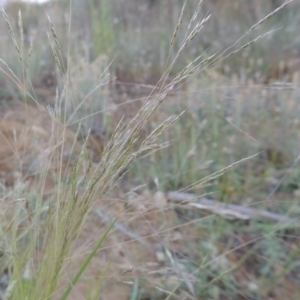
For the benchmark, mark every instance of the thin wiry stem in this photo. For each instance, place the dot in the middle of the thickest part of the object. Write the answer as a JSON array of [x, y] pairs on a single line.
[[12, 34], [178, 24]]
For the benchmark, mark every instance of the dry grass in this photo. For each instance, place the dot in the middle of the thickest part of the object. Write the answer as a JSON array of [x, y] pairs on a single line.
[[137, 36], [52, 187]]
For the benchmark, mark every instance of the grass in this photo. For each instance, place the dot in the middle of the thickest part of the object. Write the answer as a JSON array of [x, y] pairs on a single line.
[[103, 36], [136, 36], [47, 230]]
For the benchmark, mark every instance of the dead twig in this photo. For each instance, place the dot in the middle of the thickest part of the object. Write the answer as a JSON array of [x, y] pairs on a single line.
[[228, 210]]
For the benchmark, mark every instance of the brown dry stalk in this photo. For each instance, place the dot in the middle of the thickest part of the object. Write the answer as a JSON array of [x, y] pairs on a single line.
[[238, 211]]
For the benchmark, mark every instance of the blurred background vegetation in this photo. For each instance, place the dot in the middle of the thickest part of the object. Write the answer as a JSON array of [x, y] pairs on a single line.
[[246, 104], [136, 35]]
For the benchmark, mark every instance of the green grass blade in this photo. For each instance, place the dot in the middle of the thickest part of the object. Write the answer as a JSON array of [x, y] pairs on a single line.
[[135, 291], [86, 262]]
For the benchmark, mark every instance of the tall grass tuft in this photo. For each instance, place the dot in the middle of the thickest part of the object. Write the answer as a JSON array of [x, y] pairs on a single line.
[[38, 232]]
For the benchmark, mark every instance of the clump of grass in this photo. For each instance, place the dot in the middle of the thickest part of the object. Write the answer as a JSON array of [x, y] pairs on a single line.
[[102, 31], [65, 216], [39, 232]]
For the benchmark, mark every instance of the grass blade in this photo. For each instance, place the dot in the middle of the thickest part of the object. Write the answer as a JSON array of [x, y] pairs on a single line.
[[86, 262]]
